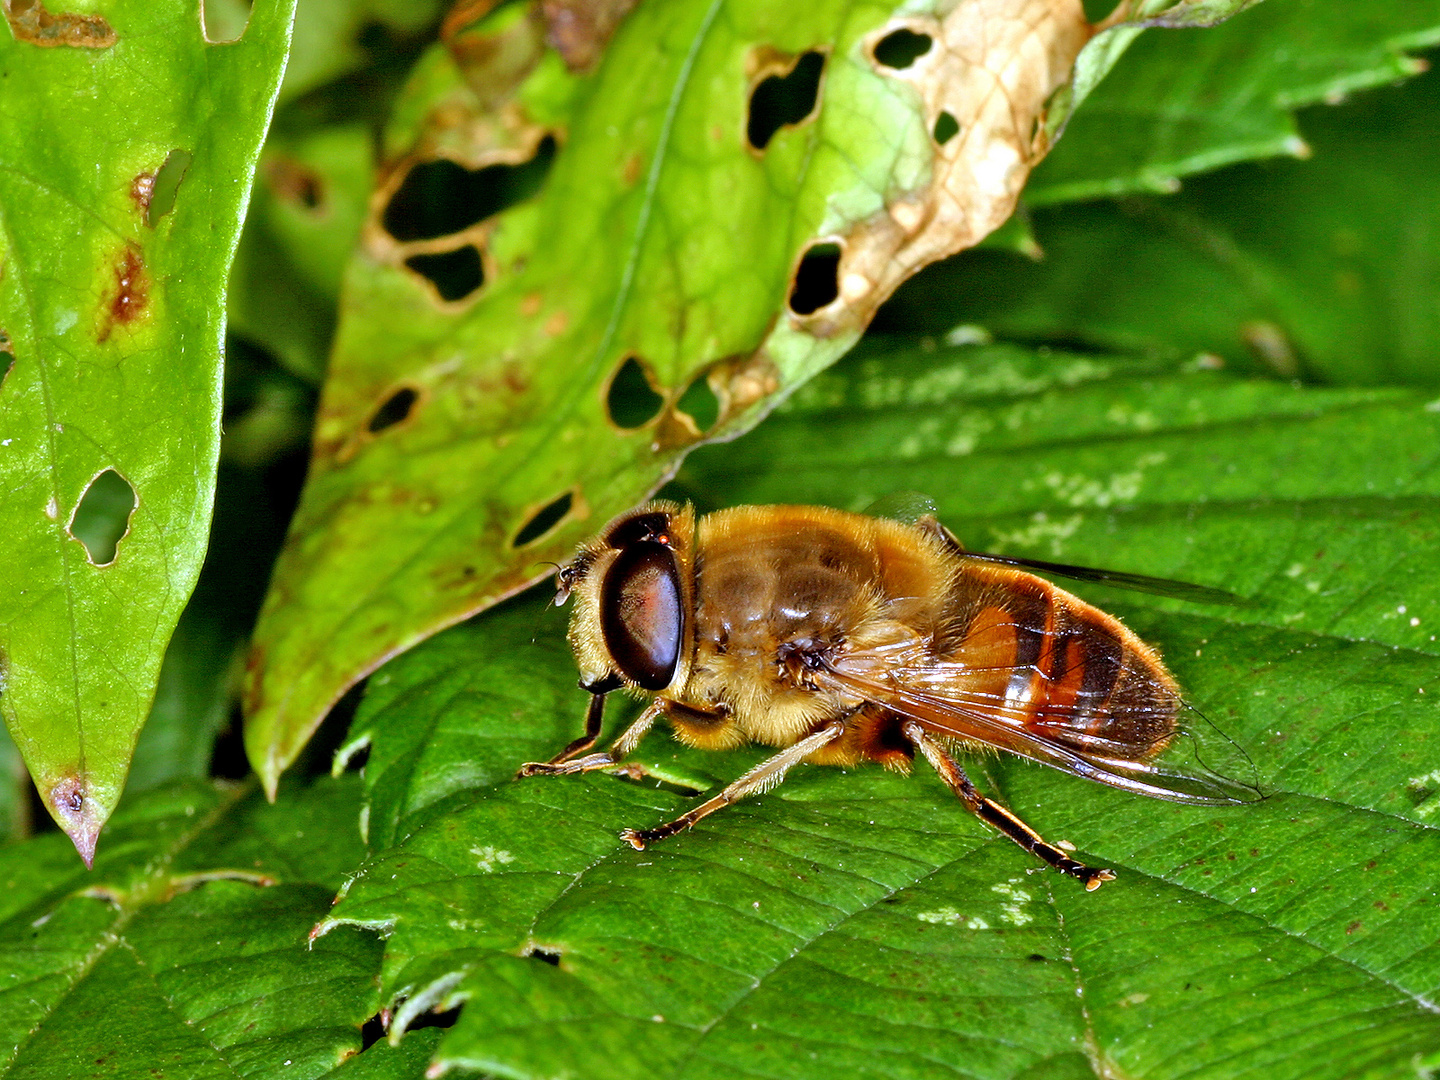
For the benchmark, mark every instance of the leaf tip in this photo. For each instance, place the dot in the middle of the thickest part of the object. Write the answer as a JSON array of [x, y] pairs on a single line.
[[78, 813]]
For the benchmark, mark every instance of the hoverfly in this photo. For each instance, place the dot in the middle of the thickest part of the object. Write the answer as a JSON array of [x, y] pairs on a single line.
[[843, 638]]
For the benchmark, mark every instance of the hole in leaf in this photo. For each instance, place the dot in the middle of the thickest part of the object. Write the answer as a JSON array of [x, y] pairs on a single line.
[[631, 401], [102, 517], [455, 274], [7, 357], [395, 409], [435, 1019], [545, 956], [700, 404], [223, 21], [946, 128], [441, 197], [167, 185], [1036, 957], [371, 1032], [355, 762], [817, 279], [543, 520], [901, 48], [784, 100]]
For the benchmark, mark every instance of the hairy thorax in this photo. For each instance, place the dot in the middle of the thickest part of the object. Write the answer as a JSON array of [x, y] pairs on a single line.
[[779, 596]]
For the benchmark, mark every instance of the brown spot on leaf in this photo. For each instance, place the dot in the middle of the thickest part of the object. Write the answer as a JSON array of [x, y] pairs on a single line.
[[579, 30], [30, 22], [294, 182], [530, 304], [634, 164], [131, 293], [555, 325], [735, 384], [142, 190], [1353, 927]]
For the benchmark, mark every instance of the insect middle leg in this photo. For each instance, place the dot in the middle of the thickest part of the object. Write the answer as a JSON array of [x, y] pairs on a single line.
[[995, 815], [761, 778]]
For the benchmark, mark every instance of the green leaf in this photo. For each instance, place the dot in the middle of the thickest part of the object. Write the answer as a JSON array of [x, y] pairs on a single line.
[[111, 301], [1187, 101], [1322, 269], [186, 949], [862, 923], [471, 427]]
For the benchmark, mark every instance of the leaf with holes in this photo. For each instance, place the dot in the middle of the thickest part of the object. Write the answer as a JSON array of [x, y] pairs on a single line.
[[122, 187], [186, 950], [861, 922], [570, 279]]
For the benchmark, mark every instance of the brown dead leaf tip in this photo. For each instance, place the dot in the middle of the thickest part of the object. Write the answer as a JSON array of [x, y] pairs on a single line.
[[983, 73], [30, 22], [579, 30], [132, 293], [75, 814]]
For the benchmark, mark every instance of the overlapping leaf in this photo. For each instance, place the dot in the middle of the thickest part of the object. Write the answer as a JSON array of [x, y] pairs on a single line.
[[861, 922], [127, 143]]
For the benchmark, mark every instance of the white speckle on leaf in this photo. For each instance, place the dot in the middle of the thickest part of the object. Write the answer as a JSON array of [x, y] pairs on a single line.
[[64, 320], [1014, 912], [52, 509], [487, 858], [1041, 530], [1119, 488], [946, 915]]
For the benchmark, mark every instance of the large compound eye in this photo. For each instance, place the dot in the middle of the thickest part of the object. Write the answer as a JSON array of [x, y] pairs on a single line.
[[640, 614]]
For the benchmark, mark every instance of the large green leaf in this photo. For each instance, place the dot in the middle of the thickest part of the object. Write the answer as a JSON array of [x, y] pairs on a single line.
[[1186, 101], [186, 951], [472, 384], [861, 923], [1322, 269], [111, 314]]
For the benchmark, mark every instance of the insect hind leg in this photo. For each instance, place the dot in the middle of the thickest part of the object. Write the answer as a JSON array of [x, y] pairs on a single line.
[[759, 779], [995, 815]]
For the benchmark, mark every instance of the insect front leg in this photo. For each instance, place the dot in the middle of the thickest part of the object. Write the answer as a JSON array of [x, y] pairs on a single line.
[[565, 762], [761, 778], [995, 815]]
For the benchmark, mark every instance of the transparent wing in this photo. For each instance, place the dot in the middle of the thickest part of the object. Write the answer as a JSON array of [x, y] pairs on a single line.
[[1198, 764]]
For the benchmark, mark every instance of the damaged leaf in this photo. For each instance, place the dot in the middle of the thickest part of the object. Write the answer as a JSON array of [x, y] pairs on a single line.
[[113, 316], [860, 922], [631, 219]]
